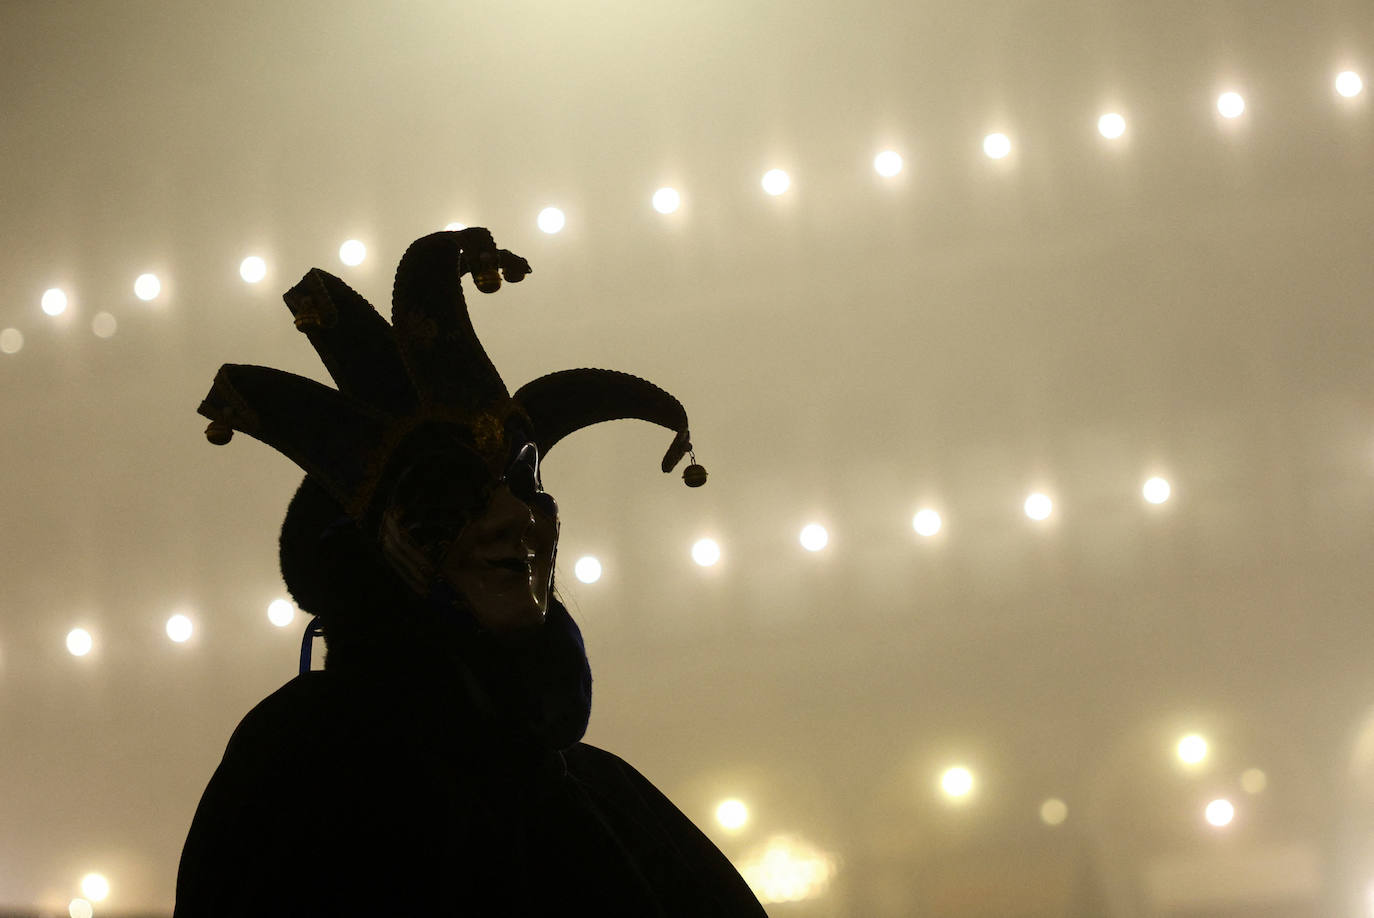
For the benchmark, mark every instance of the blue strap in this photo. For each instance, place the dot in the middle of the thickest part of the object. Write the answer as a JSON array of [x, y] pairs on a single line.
[[307, 642]]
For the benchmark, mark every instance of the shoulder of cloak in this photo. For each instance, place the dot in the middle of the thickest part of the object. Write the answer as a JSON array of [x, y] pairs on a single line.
[[256, 810], [658, 832]]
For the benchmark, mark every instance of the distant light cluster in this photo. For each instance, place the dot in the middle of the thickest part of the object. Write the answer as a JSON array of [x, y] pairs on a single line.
[[785, 868], [997, 145], [814, 537]]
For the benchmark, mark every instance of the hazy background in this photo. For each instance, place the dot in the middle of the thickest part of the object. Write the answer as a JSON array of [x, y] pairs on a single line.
[[1192, 300]]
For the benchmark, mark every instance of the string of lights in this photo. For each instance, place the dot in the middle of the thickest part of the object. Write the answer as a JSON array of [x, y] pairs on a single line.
[[781, 868], [1112, 126]]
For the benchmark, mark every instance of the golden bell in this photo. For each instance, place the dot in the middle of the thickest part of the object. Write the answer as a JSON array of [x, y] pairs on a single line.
[[487, 281], [694, 475], [219, 433]]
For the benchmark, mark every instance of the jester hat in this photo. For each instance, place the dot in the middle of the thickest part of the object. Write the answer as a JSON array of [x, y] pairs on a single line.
[[424, 378]]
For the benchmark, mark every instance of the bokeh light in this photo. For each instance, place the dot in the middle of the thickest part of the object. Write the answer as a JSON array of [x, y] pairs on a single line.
[[281, 612], [352, 253], [706, 552], [1253, 781], [179, 628], [732, 814], [1054, 811], [79, 642], [252, 269], [787, 869], [104, 325], [95, 887], [551, 220], [11, 341], [1220, 813], [1038, 506], [1230, 104], [996, 146], [666, 200], [147, 287], [1156, 490], [54, 301], [814, 537], [957, 782], [80, 908], [1349, 84], [775, 181], [587, 569], [1111, 125], [926, 522], [887, 163], [1192, 749]]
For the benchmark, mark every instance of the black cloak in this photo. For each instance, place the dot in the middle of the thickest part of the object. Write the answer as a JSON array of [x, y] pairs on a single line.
[[401, 790]]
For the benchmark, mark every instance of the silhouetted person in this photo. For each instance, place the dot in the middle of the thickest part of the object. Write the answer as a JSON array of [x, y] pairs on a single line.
[[434, 765]]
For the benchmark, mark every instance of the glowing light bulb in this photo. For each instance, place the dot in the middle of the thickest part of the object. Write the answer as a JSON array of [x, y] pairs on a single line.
[[147, 287], [252, 269], [551, 220], [80, 908], [814, 537], [352, 253], [732, 814], [1156, 490], [454, 227], [11, 341], [996, 146], [666, 200], [1253, 781], [1349, 84], [79, 642], [926, 522], [887, 163], [95, 887], [706, 552], [179, 628], [281, 612], [957, 782], [1111, 125], [787, 869], [1038, 506], [1230, 104], [54, 302], [1192, 749], [103, 325], [587, 569], [1054, 811], [1220, 813], [775, 182]]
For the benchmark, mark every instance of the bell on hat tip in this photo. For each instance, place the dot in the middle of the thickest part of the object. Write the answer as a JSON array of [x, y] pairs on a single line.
[[219, 433], [694, 475], [488, 281]]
